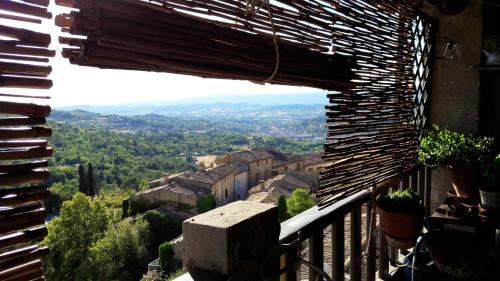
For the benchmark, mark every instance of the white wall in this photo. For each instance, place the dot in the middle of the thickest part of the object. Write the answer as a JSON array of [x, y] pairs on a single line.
[[241, 185]]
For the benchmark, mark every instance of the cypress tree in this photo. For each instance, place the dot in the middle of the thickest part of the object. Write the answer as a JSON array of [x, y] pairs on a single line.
[[91, 181], [82, 183], [282, 209]]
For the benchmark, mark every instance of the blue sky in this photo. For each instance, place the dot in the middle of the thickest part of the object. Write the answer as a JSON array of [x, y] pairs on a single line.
[[76, 85]]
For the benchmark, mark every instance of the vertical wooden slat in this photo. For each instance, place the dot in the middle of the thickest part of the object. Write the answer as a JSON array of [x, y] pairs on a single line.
[[383, 265], [316, 254], [420, 182], [427, 191], [371, 236], [413, 182], [338, 250], [356, 244]]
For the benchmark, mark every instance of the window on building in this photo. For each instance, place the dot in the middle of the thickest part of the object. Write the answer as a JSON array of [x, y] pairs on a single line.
[[266, 175], [226, 192], [257, 163], [266, 162], [298, 167], [310, 170], [286, 168], [258, 177]]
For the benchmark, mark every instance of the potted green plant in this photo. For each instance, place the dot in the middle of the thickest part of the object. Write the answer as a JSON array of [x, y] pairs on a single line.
[[401, 215], [462, 154], [490, 185]]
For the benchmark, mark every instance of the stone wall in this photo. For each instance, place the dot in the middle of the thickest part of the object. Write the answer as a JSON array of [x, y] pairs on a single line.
[[455, 93]]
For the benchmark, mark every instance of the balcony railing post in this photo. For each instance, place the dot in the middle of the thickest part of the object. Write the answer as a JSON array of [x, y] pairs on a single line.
[[356, 244], [316, 254], [289, 260], [338, 250], [371, 223], [427, 191]]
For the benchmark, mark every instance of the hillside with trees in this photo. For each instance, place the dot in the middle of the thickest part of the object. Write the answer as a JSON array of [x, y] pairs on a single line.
[[128, 152]]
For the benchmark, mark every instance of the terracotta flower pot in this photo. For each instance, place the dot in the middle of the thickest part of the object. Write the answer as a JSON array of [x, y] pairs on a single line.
[[464, 179], [402, 226]]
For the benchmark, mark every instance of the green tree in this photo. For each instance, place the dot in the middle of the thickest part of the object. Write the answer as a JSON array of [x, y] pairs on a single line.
[[282, 208], [120, 255], [163, 228], [300, 201], [82, 222], [205, 204], [166, 252]]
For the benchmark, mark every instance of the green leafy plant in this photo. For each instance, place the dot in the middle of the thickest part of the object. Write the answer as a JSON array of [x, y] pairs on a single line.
[[491, 175], [400, 201], [299, 201], [443, 147]]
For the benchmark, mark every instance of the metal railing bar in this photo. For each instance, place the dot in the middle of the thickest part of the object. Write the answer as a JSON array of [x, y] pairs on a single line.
[[313, 219], [338, 250]]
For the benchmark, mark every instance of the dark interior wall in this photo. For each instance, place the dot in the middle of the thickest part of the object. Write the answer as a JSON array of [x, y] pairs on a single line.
[[455, 96], [489, 109]]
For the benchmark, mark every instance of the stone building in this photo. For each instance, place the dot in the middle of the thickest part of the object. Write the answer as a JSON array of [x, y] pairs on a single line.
[[259, 162], [270, 190], [314, 163], [219, 180], [240, 179], [286, 162]]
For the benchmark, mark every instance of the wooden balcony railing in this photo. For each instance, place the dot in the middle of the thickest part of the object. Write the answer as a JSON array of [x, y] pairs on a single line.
[[340, 240]]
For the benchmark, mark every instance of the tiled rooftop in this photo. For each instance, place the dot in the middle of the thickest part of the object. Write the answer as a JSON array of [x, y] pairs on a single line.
[[252, 155]]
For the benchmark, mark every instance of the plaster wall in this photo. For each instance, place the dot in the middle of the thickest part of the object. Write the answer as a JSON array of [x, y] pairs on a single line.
[[241, 185]]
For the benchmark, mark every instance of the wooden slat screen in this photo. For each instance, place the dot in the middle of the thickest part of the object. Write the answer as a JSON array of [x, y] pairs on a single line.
[[374, 128], [214, 39], [363, 49], [24, 64]]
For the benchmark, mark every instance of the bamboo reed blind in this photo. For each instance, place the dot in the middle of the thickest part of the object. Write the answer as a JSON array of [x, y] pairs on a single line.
[[374, 128], [288, 44], [363, 50], [24, 64]]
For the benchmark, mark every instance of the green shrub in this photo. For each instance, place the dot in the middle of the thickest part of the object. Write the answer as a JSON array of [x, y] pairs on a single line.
[[82, 222], [175, 274], [400, 201], [166, 252], [139, 206], [443, 147], [205, 203], [121, 254], [299, 201], [163, 228]]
